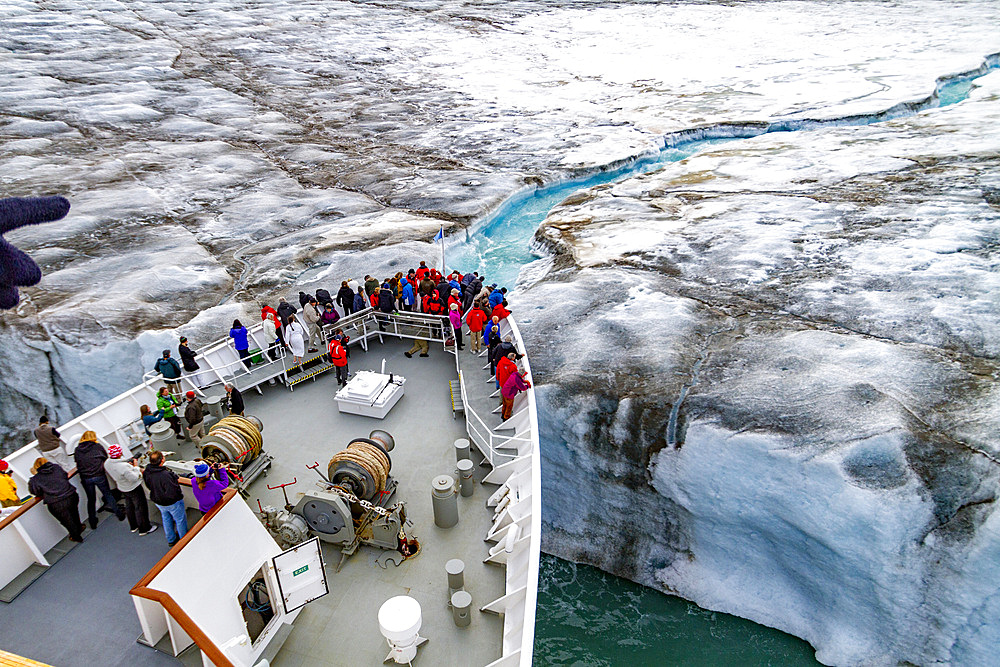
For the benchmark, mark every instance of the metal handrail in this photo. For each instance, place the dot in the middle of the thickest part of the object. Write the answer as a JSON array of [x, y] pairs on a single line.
[[491, 440], [535, 534]]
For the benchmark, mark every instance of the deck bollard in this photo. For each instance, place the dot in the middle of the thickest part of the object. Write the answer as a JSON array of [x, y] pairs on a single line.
[[162, 436], [465, 478], [461, 605], [456, 575], [462, 449], [214, 406], [445, 501]]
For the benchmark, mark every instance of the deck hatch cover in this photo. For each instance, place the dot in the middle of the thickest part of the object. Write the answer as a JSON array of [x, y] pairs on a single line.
[[301, 574]]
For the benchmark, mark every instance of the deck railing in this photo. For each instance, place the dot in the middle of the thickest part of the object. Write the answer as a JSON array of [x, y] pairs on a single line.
[[517, 521], [221, 363]]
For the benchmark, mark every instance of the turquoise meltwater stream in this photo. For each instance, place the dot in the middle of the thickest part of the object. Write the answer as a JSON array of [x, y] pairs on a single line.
[[501, 246], [589, 618]]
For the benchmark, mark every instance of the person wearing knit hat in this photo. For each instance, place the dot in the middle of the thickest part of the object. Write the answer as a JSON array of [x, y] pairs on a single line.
[[128, 477], [189, 362], [194, 415], [8, 487], [168, 367], [208, 491]]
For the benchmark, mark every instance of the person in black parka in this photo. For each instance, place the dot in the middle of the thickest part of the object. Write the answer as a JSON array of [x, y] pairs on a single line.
[[345, 297], [235, 400], [51, 483], [90, 458]]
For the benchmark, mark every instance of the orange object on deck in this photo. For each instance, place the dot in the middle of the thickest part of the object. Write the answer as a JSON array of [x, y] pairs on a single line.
[[11, 660]]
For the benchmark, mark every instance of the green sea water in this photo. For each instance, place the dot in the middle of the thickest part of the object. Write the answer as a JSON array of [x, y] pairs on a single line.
[[588, 618]]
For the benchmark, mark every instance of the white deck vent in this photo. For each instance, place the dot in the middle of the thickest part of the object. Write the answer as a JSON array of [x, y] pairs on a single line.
[[399, 622]]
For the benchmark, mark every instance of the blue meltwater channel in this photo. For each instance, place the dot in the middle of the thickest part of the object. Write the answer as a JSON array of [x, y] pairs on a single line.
[[589, 618]]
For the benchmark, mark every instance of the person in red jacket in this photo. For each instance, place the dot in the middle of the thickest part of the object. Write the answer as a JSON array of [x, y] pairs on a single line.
[[500, 310], [433, 305], [476, 319], [455, 298], [505, 367], [338, 355], [422, 271]]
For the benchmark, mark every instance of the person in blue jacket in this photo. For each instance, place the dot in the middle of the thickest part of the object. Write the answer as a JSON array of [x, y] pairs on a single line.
[[360, 302], [170, 370], [497, 296], [240, 341], [149, 417], [409, 298]]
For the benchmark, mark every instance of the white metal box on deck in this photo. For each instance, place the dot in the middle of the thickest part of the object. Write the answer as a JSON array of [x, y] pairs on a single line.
[[370, 394]]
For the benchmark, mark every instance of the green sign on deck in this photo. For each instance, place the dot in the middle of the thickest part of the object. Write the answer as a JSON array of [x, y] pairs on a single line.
[[300, 570]]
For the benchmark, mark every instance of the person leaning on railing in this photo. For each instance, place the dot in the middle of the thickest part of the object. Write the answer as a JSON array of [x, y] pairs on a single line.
[[515, 384], [170, 370], [166, 403], [330, 315], [50, 443], [241, 343], [360, 302], [345, 297], [8, 487], [50, 483], [188, 359]]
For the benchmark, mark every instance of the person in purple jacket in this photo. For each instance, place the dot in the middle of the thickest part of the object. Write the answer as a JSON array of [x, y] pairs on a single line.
[[208, 492], [515, 384], [455, 315]]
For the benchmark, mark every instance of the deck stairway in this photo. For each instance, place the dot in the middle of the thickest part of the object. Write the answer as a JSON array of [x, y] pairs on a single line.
[[310, 368]]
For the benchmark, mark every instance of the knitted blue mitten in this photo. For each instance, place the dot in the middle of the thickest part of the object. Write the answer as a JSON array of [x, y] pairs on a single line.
[[16, 268]]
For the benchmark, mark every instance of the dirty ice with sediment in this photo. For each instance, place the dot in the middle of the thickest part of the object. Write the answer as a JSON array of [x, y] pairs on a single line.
[[766, 373]]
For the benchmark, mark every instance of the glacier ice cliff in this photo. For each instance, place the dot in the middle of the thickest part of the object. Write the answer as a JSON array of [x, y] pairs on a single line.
[[768, 382]]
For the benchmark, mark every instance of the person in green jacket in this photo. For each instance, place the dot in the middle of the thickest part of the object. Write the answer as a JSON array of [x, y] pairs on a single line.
[[167, 403]]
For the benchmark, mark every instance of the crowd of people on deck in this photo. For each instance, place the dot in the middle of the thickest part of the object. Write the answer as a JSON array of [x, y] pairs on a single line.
[[460, 300]]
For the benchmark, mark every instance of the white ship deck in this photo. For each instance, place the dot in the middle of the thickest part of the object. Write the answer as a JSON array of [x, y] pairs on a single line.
[[79, 611]]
